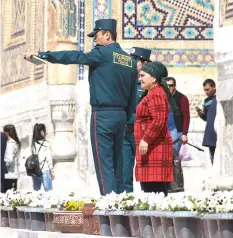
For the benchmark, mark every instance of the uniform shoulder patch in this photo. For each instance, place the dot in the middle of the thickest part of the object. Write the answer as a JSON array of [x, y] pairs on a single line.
[[124, 60]]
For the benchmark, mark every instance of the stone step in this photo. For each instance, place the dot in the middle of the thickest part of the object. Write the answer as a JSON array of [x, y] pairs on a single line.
[[18, 233]]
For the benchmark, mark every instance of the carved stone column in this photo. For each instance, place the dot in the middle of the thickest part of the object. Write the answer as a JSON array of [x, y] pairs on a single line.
[[63, 114], [62, 82], [64, 149]]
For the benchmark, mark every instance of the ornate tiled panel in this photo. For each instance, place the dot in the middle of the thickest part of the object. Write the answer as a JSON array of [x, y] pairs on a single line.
[[179, 33], [168, 19]]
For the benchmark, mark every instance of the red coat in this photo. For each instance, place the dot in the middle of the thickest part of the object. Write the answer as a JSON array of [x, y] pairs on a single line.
[[151, 125]]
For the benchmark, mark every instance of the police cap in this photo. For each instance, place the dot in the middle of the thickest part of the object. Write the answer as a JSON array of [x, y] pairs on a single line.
[[104, 24], [141, 53]]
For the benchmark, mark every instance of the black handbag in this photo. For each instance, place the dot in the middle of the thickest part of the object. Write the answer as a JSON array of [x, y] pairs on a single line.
[[32, 164]]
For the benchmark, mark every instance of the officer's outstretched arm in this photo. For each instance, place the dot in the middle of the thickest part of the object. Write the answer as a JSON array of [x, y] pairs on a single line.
[[132, 101], [72, 57]]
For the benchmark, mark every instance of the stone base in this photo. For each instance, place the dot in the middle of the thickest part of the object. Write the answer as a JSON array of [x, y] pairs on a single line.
[[16, 233]]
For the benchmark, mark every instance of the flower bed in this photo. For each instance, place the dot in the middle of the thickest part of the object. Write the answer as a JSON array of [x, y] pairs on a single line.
[[208, 214], [40, 211]]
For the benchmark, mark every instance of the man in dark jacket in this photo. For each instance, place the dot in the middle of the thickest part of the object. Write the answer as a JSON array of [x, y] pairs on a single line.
[[3, 167], [208, 114], [183, 119]]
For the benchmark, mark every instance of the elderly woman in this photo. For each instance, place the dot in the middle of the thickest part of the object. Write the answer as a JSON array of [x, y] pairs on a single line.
[[154, 158]]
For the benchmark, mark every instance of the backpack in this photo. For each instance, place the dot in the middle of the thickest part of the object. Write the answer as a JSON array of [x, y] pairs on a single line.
[[32, 164]]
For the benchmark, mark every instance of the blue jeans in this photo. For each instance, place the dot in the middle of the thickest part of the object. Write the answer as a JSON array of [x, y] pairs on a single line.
[[45, 179]]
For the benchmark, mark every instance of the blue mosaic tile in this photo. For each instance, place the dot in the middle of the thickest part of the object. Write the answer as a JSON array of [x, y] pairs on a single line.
[[168, 19]]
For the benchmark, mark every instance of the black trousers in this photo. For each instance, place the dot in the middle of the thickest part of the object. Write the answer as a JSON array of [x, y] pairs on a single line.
[[155, 187], [9, 184]]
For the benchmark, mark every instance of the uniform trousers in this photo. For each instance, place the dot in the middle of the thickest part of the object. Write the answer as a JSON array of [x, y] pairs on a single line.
[[107, 133], [129, 152]]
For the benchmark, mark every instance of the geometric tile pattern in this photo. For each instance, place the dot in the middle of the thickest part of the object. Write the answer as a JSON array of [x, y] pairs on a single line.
[[101, 9], [168, 19], [65, 17], [185, 57], [13, 68], [69, 18], [14, 22], [18, 14], [226, 13]]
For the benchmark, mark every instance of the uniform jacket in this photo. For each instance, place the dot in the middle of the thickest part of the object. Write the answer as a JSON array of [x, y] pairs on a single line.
[[151, 125], [210, 136], [112, 75], [11, 159], [44, 155], [140, 91]]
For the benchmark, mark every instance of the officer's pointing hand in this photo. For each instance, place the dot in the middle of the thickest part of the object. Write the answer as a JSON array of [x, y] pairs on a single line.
[[27, 56], [143, 147]]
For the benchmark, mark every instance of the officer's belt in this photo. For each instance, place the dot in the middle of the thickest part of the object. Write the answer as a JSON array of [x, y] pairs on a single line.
[[129, 128], [107, 108]]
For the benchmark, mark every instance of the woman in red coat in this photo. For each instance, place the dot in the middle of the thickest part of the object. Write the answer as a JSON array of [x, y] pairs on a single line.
[[154, 158]]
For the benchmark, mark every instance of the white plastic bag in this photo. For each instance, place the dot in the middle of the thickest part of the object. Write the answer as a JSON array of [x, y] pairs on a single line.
[[185, 154]]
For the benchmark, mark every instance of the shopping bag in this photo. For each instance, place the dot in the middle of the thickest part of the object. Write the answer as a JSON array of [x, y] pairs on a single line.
[[185, 153]]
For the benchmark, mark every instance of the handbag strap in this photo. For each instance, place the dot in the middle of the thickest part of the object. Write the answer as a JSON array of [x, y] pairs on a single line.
[[45, 157], [43, 164], [40, 146]]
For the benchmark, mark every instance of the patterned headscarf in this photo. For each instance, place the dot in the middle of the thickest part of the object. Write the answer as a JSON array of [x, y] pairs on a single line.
[[159, 71]]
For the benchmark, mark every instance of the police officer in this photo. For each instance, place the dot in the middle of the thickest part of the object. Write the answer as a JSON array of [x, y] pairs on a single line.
[[113, 82], [141, 56]]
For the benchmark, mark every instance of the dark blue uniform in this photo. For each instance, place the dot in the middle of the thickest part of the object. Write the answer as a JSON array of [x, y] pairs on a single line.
[[113, 82]]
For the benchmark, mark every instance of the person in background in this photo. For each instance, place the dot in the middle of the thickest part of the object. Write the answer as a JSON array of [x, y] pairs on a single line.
[[142, 56], [182, 119], [208, 114], [3, 164], [11, 157], [41, 147], [154, 149]]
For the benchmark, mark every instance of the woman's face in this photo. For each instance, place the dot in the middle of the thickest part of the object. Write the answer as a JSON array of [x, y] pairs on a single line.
[[147, 81], [42, 134]]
